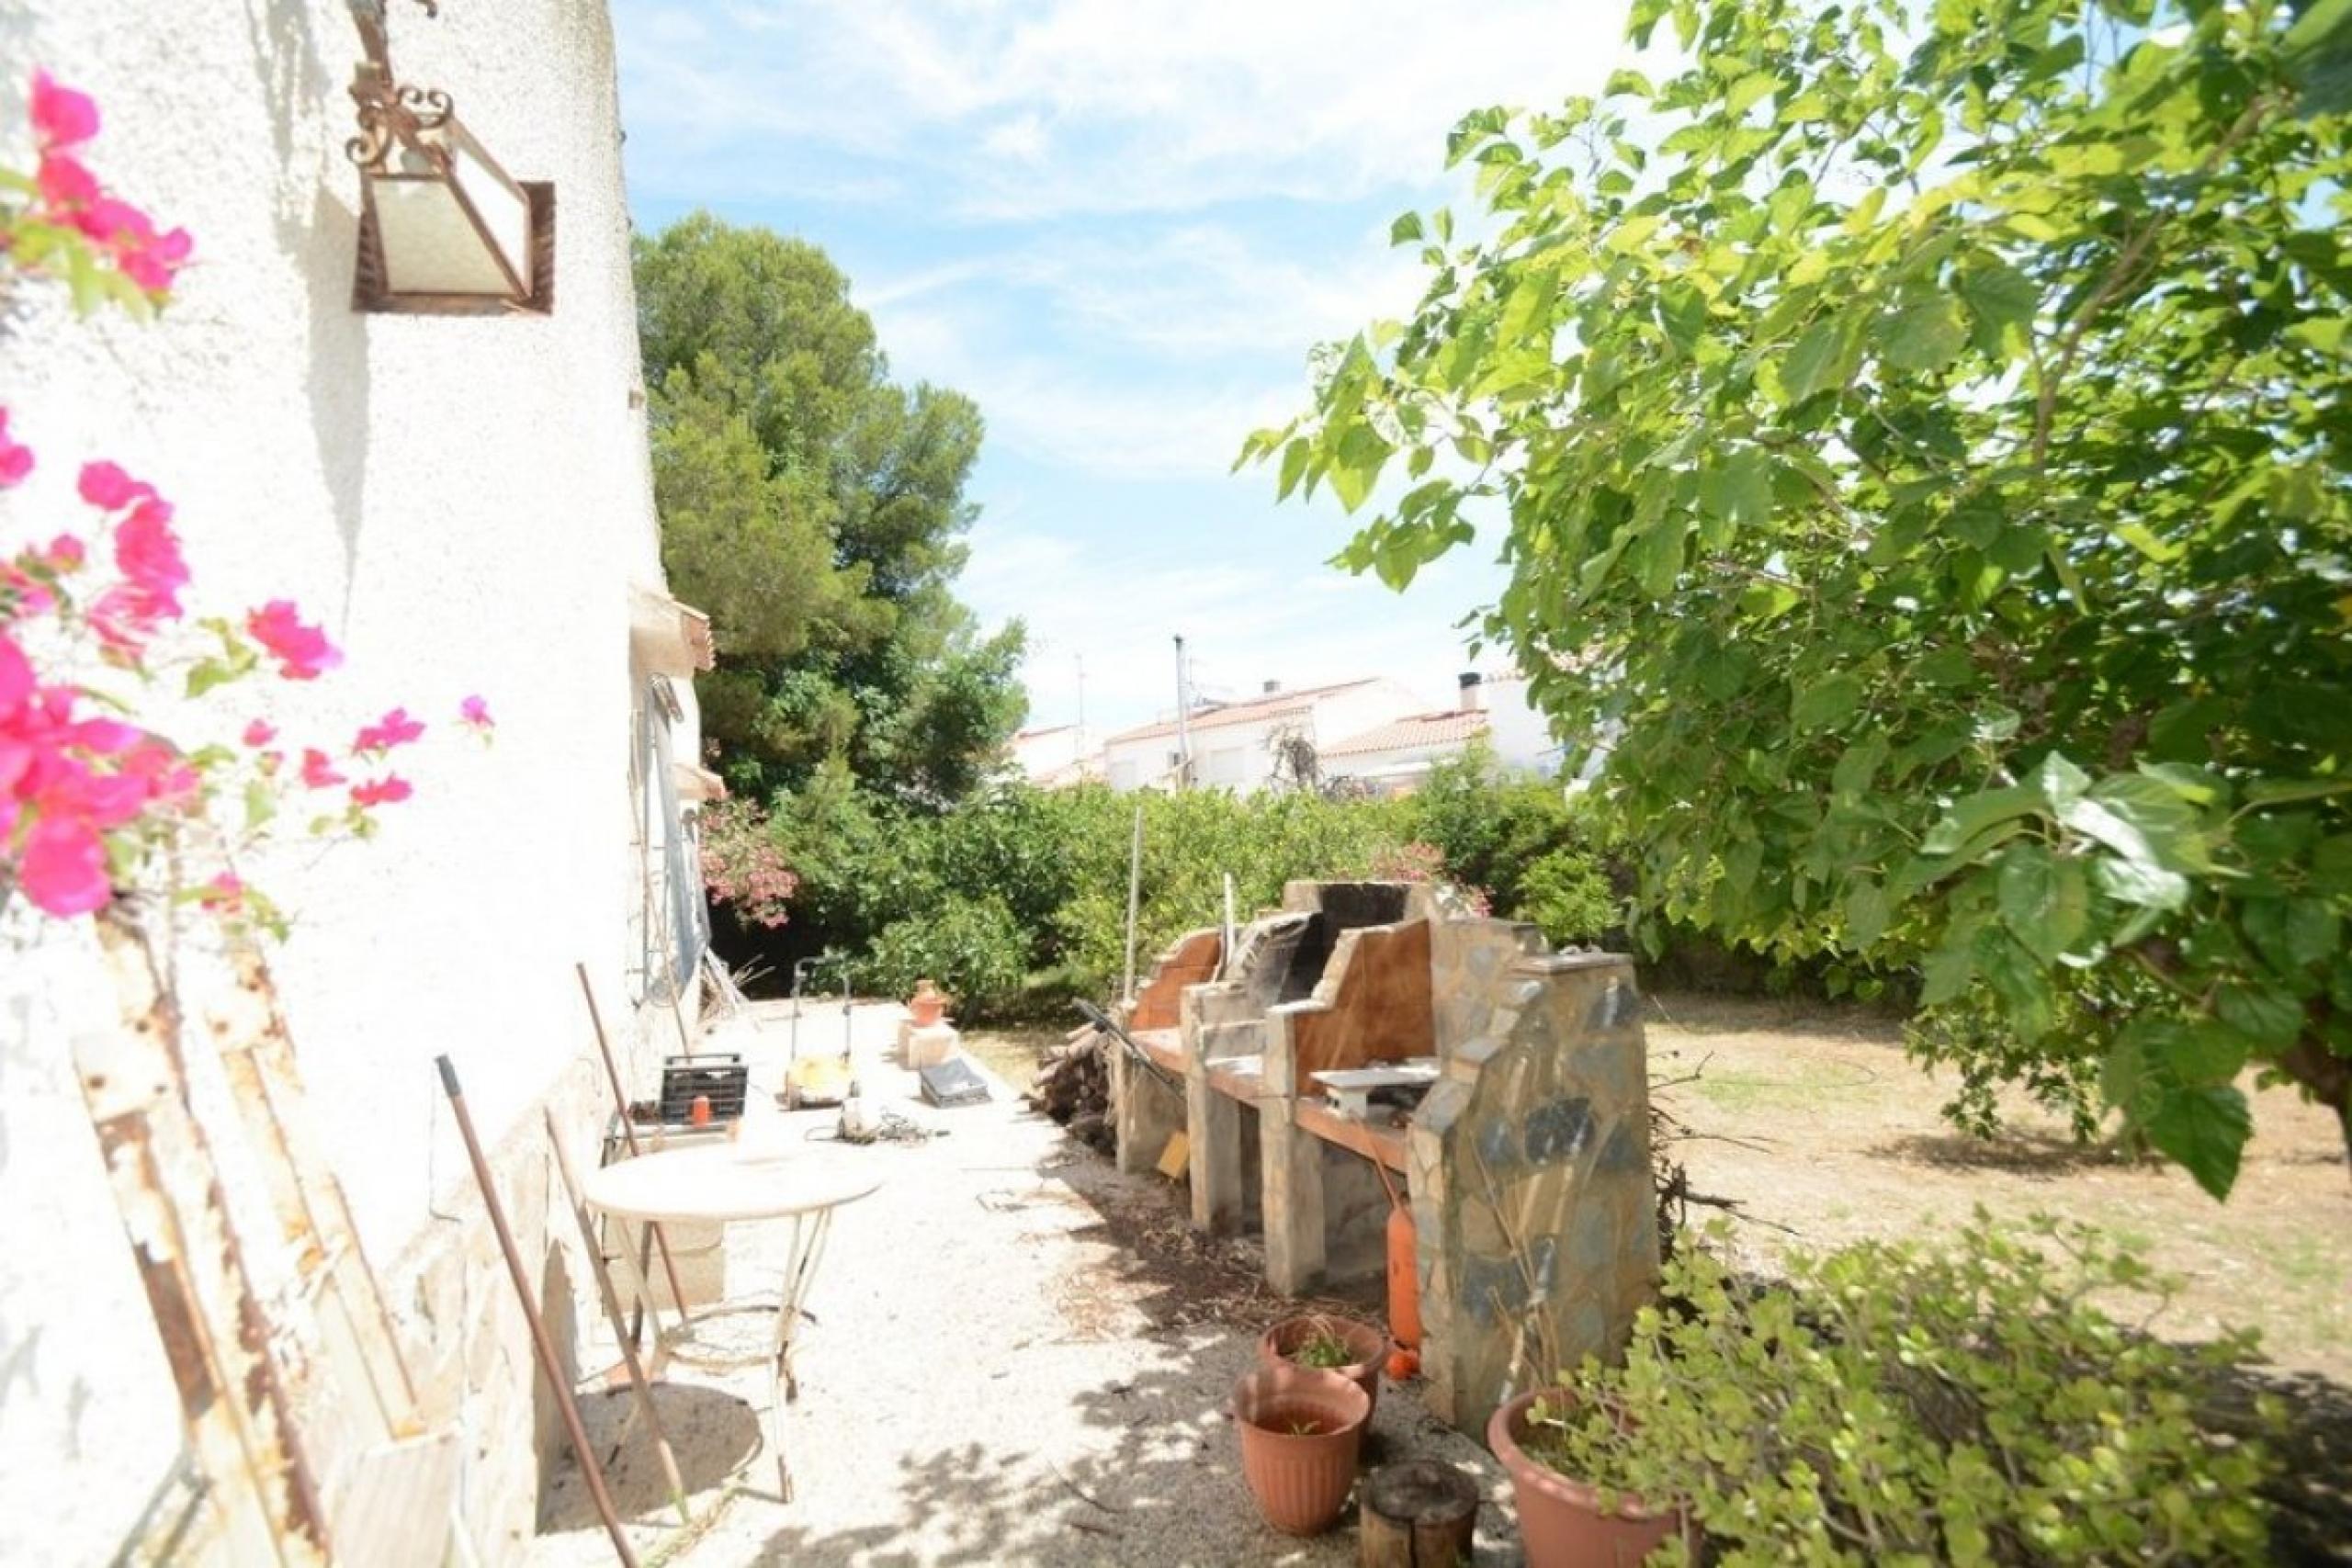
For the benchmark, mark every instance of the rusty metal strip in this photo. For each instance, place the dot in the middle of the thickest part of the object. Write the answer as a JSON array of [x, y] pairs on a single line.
[[257, 1054], [215, 1336]]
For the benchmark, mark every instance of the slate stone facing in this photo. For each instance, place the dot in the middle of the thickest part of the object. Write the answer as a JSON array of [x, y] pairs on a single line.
[[1527, 1160], [1530, 1181]]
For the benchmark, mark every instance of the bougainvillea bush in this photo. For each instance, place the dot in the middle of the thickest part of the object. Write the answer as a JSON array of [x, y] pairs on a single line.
[[99, 796], [742, 864]]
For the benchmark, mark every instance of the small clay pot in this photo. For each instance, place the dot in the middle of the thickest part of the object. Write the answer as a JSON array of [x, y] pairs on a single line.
[[926, 1005], [1561, 1521], [1301, 1431], [1367, 1349]]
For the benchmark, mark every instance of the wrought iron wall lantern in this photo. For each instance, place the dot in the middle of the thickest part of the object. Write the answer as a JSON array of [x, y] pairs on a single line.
[[443, 229]]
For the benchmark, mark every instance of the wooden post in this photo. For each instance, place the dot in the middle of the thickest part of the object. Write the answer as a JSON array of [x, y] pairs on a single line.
[[1416, 1514], [1135, 898], [628, 1134]]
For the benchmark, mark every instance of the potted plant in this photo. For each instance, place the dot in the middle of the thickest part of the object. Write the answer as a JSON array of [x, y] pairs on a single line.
[[1301, 1430], [926, 1005], [1572, 1507], [1328, 1343]]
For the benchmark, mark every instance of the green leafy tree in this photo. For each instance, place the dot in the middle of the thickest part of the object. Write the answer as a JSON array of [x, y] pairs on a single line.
[[1920, 431], [816, 508]]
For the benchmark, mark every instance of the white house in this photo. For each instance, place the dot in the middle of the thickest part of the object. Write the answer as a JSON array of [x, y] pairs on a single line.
[[1233, 745], [1054, 756], [1395, 756], [464, 501]]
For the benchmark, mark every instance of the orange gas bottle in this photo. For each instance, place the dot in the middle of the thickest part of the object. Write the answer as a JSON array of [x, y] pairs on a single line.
[[1404, 1279]]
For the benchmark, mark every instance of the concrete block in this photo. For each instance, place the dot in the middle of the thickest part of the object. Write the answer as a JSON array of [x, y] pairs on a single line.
[[922, 1046]]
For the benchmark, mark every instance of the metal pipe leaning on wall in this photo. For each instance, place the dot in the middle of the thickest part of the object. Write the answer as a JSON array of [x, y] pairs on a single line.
[[551, 1364]]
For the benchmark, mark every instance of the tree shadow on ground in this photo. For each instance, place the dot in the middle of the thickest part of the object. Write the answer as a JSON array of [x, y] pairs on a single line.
[[1697, 1013], [2047, 1155], [1158, 1481], [713, 1434], [1167, 1489]]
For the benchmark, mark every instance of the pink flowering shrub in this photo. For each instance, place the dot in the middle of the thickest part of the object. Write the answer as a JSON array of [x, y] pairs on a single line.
[[1419, 861], [62, 221], [741, 864], [95, 799]]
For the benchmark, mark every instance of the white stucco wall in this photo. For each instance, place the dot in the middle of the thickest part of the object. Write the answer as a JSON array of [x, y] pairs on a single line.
[[463, 502], [1322, 717], [1520, 737]]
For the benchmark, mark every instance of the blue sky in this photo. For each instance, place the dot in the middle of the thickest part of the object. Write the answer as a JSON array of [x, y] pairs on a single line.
[[1120, 225]]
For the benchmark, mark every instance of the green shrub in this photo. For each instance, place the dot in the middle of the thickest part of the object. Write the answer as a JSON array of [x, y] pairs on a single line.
[[972, 950], [1492, 827], [1567, 893], [1055, 862], [1897, 1405]]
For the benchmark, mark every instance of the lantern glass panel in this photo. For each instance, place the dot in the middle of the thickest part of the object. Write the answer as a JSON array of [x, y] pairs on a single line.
[[428, 244]]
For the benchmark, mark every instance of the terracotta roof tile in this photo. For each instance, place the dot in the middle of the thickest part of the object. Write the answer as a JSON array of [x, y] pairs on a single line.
[[1448, 728], [1274, 705]]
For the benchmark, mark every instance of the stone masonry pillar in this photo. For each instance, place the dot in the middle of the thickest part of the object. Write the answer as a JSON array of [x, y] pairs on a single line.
[[1531, 1187], [1292, 1162]]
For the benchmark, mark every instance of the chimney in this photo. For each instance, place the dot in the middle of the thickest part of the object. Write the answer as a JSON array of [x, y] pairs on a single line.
[[1271, 687], [1473, 698]]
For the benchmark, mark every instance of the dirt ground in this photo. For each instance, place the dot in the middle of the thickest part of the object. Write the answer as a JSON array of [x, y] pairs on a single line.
[[1824, 1133], [1814, 1120]]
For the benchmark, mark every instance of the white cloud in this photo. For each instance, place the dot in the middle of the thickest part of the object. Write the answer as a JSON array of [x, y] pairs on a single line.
[[1154, 104], [1178, 327]]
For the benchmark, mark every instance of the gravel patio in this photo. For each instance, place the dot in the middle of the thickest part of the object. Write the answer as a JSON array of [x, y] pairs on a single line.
[[1018, 1356]]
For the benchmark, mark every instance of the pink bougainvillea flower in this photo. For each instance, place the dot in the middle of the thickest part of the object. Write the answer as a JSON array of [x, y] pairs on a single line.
[[23, 596], [122, 619], [61, 116], [146, 257], [225, 893], [16, 676], [66, 187], [108, 488], [73, 791], [302, 652], [106, 737], [15, 459], [63, 871], [318, 770], [125, 618], [378, 792], [148, 553], [260, 733], [65, 553], [109, 220], [152, 260], [476, 712], [395, 728]]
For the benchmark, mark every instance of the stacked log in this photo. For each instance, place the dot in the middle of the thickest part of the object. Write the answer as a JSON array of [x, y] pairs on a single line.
[[1073, 1087]]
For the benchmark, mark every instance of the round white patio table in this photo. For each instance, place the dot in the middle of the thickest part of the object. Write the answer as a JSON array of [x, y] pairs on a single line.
[[724, 1185]]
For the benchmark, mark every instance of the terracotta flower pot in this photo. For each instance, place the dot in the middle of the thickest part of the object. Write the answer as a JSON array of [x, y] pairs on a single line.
[[926, 1004], [1560, 1520], [1300, 1432], [1367, 1349]]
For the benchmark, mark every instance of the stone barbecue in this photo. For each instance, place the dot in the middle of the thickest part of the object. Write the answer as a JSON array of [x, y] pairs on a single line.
[[1526, 1162]]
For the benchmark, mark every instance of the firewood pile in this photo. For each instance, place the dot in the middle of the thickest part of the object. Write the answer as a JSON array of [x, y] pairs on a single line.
[[1073, 1087]]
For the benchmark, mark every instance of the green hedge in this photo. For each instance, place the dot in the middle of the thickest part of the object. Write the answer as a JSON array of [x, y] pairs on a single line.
[[1015, 898]]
